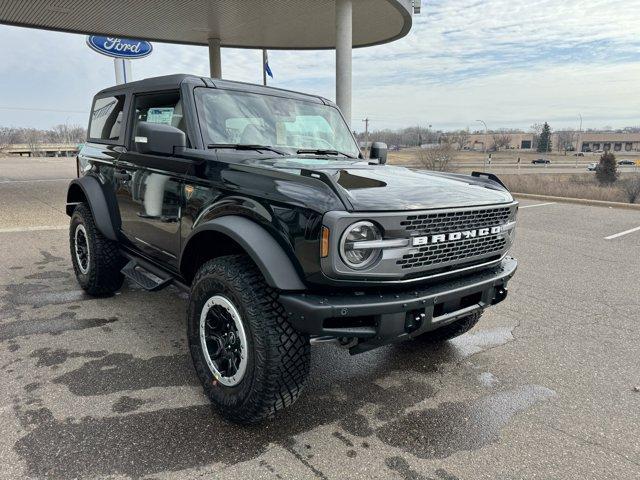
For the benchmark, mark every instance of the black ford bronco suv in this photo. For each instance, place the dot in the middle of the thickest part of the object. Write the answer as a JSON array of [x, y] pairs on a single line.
[[259, 203]]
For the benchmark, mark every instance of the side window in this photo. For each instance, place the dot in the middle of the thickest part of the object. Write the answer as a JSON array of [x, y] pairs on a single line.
[[163, 107], [106, 118]]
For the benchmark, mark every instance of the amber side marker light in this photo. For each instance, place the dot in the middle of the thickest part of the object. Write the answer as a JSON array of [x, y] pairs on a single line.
[[324, 243]]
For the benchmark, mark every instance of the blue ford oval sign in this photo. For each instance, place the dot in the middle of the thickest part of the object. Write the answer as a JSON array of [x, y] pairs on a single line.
[[119, 47]]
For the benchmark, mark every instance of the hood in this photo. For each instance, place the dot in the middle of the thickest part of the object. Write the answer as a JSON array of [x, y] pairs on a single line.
[[386, 187]]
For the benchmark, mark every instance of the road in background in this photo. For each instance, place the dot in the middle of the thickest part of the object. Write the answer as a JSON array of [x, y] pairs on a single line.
[[542, 388], [506, 161]]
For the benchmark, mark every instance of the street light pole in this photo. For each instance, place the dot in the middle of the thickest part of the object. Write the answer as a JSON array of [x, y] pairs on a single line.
[[486, 140], [578, 146], [366, 134]]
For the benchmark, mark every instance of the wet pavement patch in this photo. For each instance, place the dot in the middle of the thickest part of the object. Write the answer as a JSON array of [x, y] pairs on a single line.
[[119, 372], [137, 444], [34, 417], [48, 258], [126, 404], [36, 295], [47, 357], [455, 426], [48, 275], [64, 322], [402, 467]]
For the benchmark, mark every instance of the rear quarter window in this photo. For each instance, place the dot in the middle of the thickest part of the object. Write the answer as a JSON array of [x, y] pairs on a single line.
[[107, 118]]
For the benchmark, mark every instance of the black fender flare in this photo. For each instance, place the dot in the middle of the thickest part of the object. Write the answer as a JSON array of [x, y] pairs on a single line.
[[275, 265], [106, 219]]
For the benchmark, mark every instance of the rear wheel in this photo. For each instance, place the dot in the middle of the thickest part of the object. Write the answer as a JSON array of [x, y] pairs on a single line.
[[452, 330], [96, 259], [250, 360]]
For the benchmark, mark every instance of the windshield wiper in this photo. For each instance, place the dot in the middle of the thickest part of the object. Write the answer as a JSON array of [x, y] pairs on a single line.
[[241, 146], [320, 151]]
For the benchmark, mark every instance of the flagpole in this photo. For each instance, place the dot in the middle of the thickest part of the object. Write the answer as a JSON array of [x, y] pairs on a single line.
[[264, 67]]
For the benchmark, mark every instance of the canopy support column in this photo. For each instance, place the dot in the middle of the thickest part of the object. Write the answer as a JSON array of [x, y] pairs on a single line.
[[215, 59], [344, 46]]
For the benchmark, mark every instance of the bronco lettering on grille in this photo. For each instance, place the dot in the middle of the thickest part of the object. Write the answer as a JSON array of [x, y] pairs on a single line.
[[454, 236]]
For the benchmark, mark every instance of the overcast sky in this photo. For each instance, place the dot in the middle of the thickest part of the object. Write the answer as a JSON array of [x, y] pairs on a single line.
[[509, 62]]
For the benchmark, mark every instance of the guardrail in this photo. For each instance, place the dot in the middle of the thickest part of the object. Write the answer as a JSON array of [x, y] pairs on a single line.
[[40, 149]]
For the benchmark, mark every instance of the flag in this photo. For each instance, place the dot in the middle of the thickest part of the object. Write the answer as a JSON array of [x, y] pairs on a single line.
[[267, 68]]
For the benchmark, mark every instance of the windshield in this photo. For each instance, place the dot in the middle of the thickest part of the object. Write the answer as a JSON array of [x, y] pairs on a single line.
[[240, 118]]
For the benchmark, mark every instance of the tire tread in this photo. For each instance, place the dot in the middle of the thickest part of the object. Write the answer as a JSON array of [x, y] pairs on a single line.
[[284, 354], [104, 277]]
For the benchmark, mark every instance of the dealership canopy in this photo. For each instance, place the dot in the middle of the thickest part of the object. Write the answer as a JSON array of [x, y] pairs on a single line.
[[271, 24]]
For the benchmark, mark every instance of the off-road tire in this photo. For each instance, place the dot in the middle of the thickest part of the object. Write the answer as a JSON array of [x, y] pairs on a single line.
[[452, 330], [105, 262], [278, 356]]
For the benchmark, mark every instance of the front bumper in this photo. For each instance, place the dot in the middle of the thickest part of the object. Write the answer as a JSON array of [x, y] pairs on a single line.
[[384, 317]]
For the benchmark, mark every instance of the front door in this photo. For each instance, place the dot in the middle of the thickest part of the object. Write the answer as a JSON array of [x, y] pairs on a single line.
[[150, 187]]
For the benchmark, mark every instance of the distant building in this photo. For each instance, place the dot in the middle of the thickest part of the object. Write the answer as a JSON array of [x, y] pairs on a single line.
[[616, 142], [589, 142]]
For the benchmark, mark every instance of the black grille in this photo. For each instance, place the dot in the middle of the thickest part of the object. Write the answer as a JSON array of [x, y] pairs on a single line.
[[444, 222], [440, 253]]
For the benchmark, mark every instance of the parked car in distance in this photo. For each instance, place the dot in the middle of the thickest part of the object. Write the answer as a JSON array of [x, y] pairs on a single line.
[[540, 161], [592, 167], [579, 154], [626, 162]]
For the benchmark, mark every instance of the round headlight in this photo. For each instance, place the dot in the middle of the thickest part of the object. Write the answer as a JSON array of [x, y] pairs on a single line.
[[354, 255]]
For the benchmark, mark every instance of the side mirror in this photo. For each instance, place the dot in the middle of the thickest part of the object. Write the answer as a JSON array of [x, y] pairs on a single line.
[[158, 138], [379, 151]]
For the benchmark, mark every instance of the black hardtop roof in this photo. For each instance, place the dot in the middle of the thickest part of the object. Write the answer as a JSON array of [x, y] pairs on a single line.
[[169, 82]]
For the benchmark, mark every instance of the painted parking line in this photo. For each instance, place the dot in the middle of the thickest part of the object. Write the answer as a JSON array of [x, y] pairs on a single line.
[[33, 229], [626, 232], [537, 205], [38, 180]]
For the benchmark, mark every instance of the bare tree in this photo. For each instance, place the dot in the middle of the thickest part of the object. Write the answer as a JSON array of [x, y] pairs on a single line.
[[536, 129], [565, 140], [461, 138], [34, 139], [8, 136], [631, 188], [501, 140], [437, 158]]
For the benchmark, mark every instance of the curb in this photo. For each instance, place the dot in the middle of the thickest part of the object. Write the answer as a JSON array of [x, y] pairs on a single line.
[[579, 201]]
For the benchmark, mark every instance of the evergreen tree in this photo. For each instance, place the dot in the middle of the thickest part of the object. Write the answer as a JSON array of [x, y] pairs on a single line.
[[544, 141], [607, 169]]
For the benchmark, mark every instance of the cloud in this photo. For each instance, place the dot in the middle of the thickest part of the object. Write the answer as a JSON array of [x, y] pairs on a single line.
[[510, 63]]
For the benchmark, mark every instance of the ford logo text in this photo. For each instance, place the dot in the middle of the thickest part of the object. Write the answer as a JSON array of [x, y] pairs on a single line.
[[119, 47]]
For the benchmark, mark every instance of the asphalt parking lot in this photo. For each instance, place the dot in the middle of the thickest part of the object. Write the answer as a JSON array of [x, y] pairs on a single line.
[[542, 388]]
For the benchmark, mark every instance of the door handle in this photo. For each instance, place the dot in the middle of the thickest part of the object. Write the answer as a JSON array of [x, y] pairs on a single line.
[[122, 175]]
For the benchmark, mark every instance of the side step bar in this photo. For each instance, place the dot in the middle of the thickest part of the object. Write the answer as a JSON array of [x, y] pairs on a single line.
[[148, 275], [147, 279]]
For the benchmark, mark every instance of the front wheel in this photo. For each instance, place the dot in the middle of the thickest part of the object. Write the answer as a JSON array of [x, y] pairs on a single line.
[[250, 360]]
